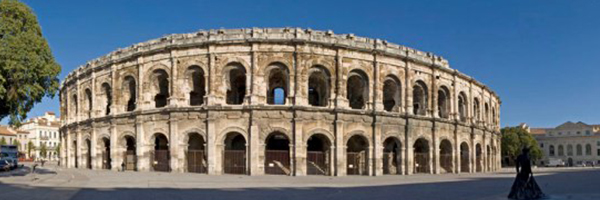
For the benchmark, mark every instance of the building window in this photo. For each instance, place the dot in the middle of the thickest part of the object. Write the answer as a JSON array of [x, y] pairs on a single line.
[[559, 133], [578, 132], [588, 132]]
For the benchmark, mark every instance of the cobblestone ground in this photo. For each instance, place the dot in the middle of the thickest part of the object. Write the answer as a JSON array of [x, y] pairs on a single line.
[[51, 182]]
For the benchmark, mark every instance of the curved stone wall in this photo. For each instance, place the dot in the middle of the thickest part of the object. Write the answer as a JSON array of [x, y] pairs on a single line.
[[278, 101]]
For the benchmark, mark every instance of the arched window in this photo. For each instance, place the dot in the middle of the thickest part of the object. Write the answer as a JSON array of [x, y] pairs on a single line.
[[569, 150], [443, 101], [107, 96], [74, 101], [318, 86], [486, 118], [420, 96], [551, 150], [161, 87], [235, 80], [129, 91], [357, 89], [196, 83], [579, 150], [278, 77], [588, 149], [392, 91], [462, 106], [561, 150], [476, 109], [88, 97], [494, 118]]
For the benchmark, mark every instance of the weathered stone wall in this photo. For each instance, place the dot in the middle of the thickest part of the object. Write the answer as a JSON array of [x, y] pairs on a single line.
[[260, 53]]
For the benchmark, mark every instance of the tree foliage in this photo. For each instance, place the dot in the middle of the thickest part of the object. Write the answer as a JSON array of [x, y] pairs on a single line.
[[30, 147], [43, 151], [513, 141], [2, 141], [28, 71]]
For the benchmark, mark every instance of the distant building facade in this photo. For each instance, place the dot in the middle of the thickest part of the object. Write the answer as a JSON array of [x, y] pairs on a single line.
[[574, 143], [8, 135], [42, 131]]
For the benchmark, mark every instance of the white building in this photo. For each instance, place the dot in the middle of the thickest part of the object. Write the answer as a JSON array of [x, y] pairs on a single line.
[[574, 143], [8, 135], [43, 131]]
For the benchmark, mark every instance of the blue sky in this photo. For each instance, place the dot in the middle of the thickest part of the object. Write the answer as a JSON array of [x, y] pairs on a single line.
[[541, 57]]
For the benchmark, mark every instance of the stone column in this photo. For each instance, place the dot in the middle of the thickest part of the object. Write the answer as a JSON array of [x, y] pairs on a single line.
[[79, 149], [255, 146], [300, 149], [116, 152], [176, 155], [340, 150], [377, 150], [212, 152], [142, 148], [93, 146], [69, 145]]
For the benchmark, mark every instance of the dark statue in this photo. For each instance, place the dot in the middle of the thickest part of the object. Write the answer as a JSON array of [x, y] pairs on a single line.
[[525, 186]]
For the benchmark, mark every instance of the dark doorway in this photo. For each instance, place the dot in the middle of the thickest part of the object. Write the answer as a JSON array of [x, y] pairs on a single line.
[[161, 156], [106, 154], [464, 157], [130, 158], [446, 156], [392, 156], [277, 154], [421, 156], [195, 154], [234, 155], [317, 155], [357, 154]]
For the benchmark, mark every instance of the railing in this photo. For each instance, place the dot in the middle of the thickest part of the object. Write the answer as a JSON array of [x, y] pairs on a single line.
[[196, 161], [160, 160], [234, 162], [317, 163], [277, 162], [356, 163], [391, 163], [421, 163]]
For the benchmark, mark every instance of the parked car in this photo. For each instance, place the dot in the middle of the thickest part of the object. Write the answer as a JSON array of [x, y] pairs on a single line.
[[12, 153], [555, 163], [5, 162]]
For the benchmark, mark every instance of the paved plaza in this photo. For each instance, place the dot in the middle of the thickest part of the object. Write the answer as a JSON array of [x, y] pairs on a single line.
[[51, 182]]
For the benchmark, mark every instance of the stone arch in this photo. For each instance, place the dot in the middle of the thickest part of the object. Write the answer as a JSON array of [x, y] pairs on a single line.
[[357, 89], [160, 84], [234, 153], [420, 98], [392, 155], [104, 145], [89, 102], [392, 93], [195, 152], [129, 145], [421, 151], [569, 150], [319, 130], [464, 157], [161, 156], [462, 106], [476, 109], [107, 92], [588, 149], [232, 129], [318, 154], [443, 102], [129, 90], [446, 164], [486, 112], [277, 76], [195, 79], [561, 150], [187, 132], [235, 81], [357, 155], [319, 87], [579, 150], [277, 153], [478, 158]]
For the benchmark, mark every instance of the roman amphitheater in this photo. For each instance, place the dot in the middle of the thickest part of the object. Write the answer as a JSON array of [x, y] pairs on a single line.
[[286, 101]]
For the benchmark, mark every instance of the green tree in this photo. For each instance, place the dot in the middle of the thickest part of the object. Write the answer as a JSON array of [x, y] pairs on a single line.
[[16, 143], [30, 147], [43, 151], [513, 141], [28, 71], [2, 141]]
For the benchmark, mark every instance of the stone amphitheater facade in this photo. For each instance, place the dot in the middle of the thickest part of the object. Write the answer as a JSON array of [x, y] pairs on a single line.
[[286, 101]]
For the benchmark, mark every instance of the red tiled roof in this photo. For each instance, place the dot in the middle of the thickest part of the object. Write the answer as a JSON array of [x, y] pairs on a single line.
[[5, 130], [538, 131]]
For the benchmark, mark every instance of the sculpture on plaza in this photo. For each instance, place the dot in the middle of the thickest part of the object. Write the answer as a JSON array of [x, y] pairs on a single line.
[[525, 186]]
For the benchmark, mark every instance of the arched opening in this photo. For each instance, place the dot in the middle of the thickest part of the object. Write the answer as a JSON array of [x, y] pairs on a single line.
[[462, 107], [234, 155], [195, 154], [75, 151], [478, 159], [197, 85], [88, 154], [588, 150], [160, 82], [420, 96], [160, 157], [464, 157], [488, 159], [392, 156], [443, 100], [74, 106], [318, 86], [569, 150], [108, 97], [235, 76], [486, 113], [570, 162], [318, 155], [88, 97], [277, 154], [561, 150], [278, 80], [357, 89], [129, 91], [579, 150], [421, 156], [357, 154], [106, 159], [476, 110], [130, 155], [446, 156], [494, 118], [391, 94], [551, 150]]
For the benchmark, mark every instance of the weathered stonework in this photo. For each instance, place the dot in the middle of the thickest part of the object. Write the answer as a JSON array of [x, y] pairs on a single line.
[[396, 109]]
